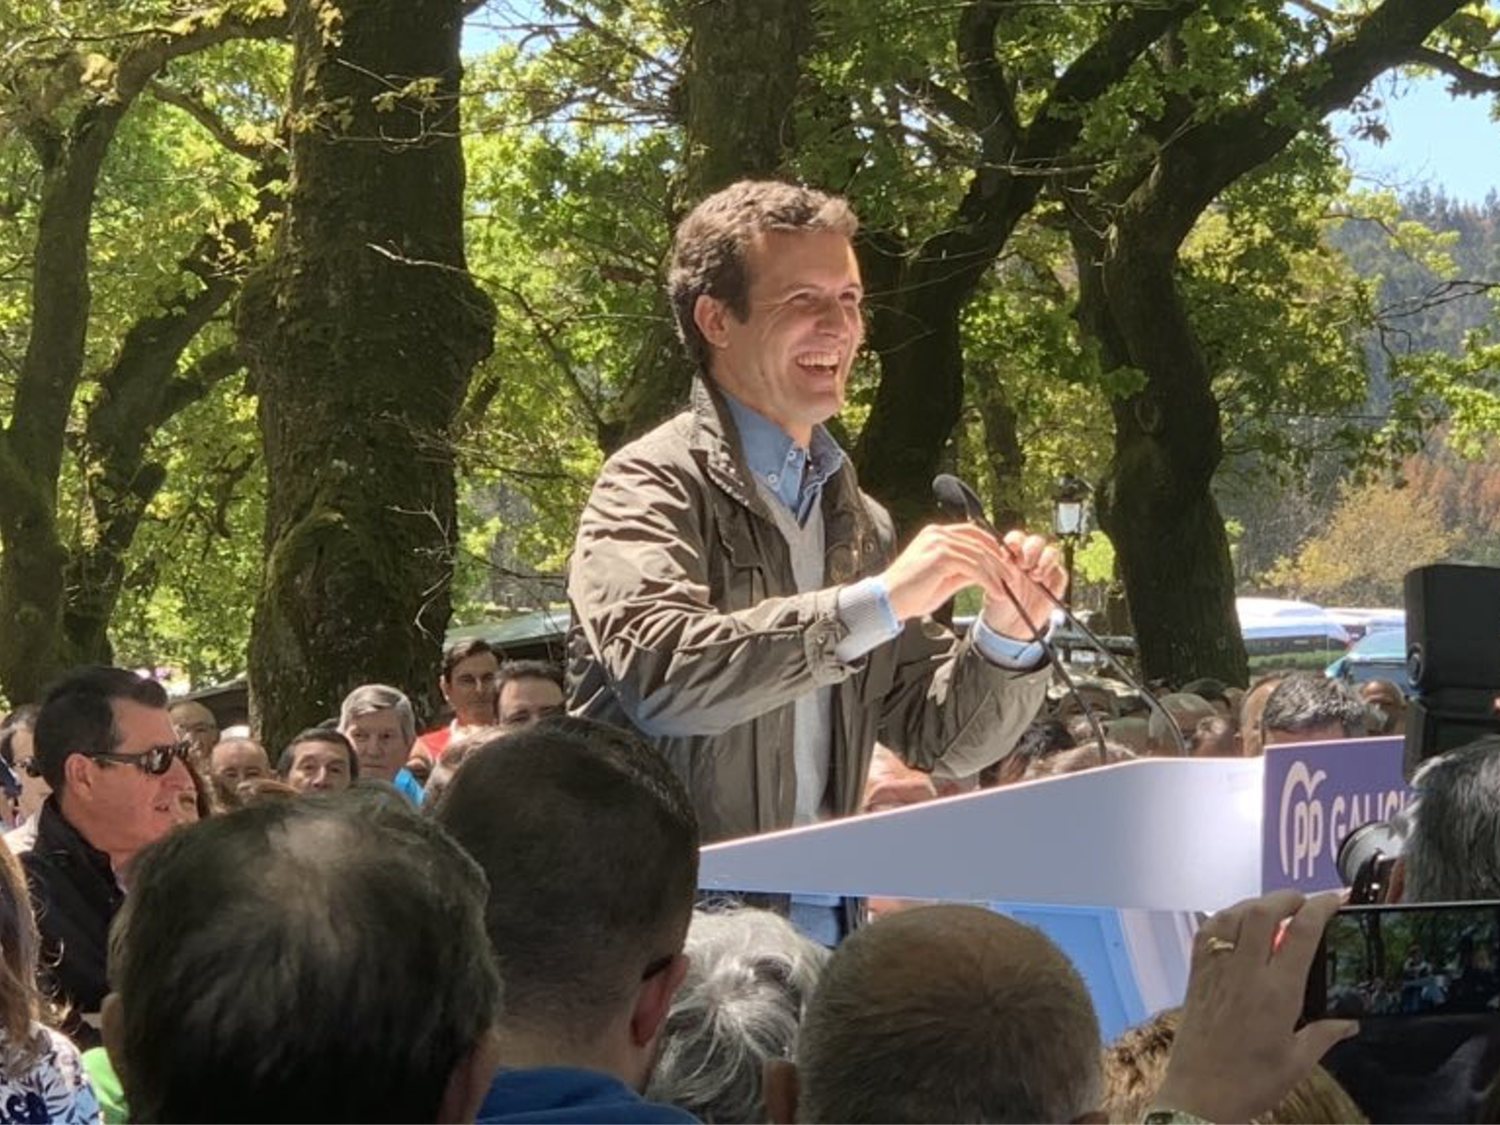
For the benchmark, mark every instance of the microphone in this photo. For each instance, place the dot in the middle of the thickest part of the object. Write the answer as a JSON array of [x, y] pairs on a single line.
[[957, 499]]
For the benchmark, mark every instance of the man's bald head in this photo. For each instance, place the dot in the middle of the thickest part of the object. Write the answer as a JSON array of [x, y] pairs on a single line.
[[196, 723], [1252, 708], [239, 759], [949, 1013]]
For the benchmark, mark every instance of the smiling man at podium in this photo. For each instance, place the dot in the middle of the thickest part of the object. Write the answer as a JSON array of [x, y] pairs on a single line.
[[739, 601]]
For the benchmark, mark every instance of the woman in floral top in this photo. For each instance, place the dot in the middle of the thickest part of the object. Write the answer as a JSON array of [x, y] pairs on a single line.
[[41, 1076]]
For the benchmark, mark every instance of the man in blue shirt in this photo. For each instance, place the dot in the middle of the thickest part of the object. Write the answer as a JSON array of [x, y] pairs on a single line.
[[739, 601], [590, 847]]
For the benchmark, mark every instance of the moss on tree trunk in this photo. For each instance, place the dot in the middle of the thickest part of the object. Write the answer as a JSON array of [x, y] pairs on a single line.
[[361, 335]]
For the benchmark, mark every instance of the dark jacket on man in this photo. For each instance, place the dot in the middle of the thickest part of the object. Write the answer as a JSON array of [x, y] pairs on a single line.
[[689, 626], [75, 895]]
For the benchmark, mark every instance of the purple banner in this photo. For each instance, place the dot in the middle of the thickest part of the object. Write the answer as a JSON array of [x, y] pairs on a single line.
[[1316, 793]]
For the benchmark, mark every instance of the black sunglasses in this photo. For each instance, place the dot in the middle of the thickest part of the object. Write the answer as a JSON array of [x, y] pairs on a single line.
[[155, 760]]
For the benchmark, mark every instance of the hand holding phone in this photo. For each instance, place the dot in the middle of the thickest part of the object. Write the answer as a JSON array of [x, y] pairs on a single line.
[[1239, 1049]]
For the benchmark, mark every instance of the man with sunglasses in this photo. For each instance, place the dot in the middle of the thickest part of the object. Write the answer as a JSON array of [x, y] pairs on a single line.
[[106, 745]]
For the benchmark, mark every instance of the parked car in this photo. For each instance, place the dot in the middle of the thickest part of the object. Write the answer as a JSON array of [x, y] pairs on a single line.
[[1282, 634], [1379, 655], [1358, 622]]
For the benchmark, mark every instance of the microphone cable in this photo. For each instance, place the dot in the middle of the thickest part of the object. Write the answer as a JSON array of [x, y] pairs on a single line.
[[956, 498]]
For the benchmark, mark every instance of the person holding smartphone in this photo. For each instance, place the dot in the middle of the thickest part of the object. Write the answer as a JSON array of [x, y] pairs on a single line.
[[1434, 1054]]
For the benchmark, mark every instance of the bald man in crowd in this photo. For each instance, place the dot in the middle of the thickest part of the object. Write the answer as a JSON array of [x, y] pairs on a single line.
[[1186, 711], [195, 723], [956, 1013], [1252, 707], [994, 1000], [239, 759]]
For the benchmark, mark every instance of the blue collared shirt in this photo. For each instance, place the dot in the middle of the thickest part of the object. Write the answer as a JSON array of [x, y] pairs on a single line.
[[793, 474], [797, 476]]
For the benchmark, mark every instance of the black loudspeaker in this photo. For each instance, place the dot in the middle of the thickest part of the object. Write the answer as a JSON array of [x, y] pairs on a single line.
[[1452, 657], [1453, 627]]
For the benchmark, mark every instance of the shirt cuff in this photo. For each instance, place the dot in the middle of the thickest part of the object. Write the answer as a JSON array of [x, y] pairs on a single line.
[[865, 612], [1006, 652]]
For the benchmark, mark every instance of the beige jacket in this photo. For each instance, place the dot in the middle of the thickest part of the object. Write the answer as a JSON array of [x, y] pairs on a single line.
[[688, 626]]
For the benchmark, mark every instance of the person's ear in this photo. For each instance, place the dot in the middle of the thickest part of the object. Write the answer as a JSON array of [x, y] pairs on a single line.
[[654, 1000], [78, 774], [711, 315], [471, 1080], [780, 1090], [1397, 890]]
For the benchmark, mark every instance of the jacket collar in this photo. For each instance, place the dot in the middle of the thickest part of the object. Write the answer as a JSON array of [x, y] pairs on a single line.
[[56, 835], [849, 536], [715, 437]]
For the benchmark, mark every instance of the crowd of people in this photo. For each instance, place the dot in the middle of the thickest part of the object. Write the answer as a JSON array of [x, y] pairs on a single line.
[[525, 945], [499, 919], [314, 940]]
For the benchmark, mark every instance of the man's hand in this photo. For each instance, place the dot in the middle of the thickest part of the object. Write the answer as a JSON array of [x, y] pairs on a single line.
[[1035, 570], [1237, 1051], [946, 558]]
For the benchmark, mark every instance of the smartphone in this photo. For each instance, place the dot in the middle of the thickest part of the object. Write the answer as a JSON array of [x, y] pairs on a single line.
[[1400, 961]]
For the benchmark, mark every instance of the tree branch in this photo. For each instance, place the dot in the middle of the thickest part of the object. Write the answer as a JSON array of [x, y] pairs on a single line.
[[951, 104], [1465, 80], [1058, 123], [989, 90], [207, 372], [143, 60], [1104, 64], [218, 128], [1206, 158], [547, 334]]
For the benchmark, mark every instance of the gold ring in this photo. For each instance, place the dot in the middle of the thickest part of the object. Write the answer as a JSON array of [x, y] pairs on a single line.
[[1219, 945]]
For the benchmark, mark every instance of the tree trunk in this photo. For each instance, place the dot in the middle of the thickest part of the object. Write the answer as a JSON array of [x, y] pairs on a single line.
[[140, 395], [1002, 447], [141, 391], [739, 84], [915, 332], [1156, 505], [361, 335], [31, 447], [916, 329], [71, 151]]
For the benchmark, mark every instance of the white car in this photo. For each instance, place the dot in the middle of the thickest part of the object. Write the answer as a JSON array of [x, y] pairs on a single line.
[[1275, 626]]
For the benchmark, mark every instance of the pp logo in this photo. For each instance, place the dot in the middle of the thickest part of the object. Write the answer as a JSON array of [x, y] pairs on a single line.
[[1302, 826]]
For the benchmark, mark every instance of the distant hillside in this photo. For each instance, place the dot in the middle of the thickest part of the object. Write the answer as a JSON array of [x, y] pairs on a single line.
[[1423, 312], [1428, 311]]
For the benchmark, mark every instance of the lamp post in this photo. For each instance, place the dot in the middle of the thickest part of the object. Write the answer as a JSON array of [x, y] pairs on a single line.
[[1069, 499]]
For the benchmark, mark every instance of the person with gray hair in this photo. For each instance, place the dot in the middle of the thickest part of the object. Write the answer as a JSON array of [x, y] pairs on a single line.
[[377, 719], [1310, 707], [749, 978], [1453, 851], [1442, 1067]]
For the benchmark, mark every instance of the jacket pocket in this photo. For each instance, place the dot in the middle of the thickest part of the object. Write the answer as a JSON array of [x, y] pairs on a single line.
[[738, 573]]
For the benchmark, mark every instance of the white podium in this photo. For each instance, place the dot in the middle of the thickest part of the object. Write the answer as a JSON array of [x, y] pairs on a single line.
[[1176, 834]]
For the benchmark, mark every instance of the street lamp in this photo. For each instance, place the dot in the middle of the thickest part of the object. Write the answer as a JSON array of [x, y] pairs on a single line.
[[1069, 499]]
